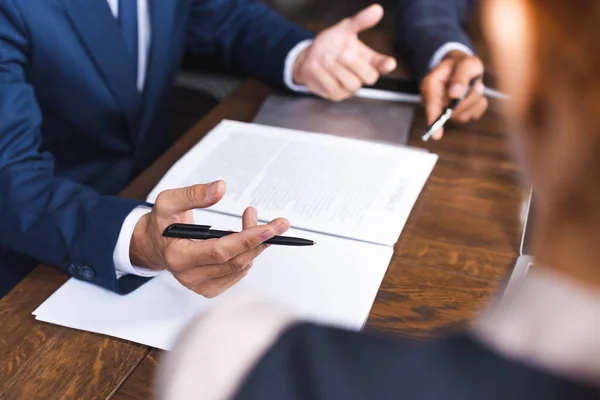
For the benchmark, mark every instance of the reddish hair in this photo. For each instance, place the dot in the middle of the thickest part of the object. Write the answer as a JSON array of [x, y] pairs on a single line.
[[561, 135]]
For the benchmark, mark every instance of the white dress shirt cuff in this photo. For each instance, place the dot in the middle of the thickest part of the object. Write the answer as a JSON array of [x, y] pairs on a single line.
[[121, 258], [440, 53], [290, 61]]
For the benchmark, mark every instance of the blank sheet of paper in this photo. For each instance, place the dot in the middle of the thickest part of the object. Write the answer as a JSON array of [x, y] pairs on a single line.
[[333, 282], [339, 186]]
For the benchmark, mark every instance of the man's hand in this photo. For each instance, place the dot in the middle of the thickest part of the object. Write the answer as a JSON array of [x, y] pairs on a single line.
[[449, 80], [337, 64], [208, 267]]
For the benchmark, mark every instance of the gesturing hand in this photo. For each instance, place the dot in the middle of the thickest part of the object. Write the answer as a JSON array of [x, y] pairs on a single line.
[[337, 64], [208, 267], [449, 80]]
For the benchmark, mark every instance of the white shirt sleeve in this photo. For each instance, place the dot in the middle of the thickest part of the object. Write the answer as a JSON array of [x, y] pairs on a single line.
[[121, 258], [440, 53], [290, 61]]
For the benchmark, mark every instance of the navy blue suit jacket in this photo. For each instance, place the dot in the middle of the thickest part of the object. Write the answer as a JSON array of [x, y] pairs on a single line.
[[423, 26], [74, 130], [310, 362]]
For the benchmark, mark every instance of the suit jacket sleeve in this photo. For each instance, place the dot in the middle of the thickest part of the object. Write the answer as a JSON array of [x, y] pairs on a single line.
[[248, 36], [55, 220], [423, 26]]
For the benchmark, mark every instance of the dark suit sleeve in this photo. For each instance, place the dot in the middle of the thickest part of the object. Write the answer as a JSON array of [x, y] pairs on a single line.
[[54, 220], [423, 26], [310, 362], [248, 36]]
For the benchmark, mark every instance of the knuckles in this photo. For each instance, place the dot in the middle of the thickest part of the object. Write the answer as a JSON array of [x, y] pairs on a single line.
[[248, 243], [371, 80], [162, 199], [186, 281], [174, 259], [354, 85], [462, 118], [238, 264], [218, 255], [191, 195], [475, 63]]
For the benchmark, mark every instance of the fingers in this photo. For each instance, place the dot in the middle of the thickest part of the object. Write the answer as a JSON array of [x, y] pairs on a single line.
[[473, 112], [210, 267], [193, 277], [182, 255], [348, 74], [475, 104], [323, 83], [433, 89], [469, 107], [384, 64], [346, 79], [337, 64], [366, 19], [218, 286], [363, 70], [450, 80], [188, 198], [206, 280], [249, 218], [228, 247], [464, 70]]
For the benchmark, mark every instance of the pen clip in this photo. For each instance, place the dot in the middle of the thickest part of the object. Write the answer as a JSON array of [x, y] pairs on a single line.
[[186, 228]]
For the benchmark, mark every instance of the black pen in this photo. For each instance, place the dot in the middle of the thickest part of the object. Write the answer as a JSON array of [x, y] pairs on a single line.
[[203, 232], [447, 114]]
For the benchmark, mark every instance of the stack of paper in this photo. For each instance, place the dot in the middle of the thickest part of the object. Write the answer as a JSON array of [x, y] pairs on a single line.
[[351, 197]]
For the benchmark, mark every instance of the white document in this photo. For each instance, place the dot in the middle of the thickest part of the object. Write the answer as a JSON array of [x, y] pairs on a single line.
[[351, 197], [333, 282], [338, 186]]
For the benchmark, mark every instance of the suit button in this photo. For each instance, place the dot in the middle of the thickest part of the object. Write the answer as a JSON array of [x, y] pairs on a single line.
[[71, 268], [86, 273]]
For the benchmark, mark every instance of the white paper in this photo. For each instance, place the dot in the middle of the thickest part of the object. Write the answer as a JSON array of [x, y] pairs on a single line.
[[339, 186], [333, 282], [333, 190]]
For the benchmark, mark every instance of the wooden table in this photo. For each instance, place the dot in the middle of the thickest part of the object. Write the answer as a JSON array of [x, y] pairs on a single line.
[[460, 242]]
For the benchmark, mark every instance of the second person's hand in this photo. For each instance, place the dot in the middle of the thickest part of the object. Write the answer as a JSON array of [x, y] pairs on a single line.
[[338, 63], [450, 80]]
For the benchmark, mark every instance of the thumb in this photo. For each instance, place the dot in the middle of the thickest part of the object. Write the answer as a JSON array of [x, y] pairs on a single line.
[[366, 19], [191, 197]]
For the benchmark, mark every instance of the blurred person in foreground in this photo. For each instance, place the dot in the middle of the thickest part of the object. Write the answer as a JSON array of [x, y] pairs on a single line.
[[539, 342], [430, 35], [84, 94]]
